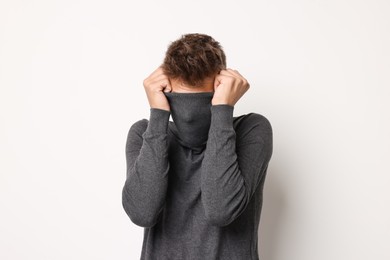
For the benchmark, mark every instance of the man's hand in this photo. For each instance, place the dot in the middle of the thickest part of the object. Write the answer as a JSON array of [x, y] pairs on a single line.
[[155, 85], [229, 87]]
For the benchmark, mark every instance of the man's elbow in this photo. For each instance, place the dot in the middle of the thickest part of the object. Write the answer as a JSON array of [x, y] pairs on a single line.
[[142, 221], [139, 217]]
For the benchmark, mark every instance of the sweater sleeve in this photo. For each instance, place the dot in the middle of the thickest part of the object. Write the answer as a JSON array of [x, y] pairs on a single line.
[[144, 191], [231, 171]]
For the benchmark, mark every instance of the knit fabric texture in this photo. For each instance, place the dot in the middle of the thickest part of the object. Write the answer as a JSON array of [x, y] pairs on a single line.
[[196, 184]]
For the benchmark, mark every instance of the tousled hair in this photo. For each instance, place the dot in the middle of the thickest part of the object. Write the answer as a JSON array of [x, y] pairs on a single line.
[[192, 58]]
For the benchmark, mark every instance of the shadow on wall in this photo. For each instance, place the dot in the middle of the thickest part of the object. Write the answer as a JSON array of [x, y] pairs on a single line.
[[271, 217]]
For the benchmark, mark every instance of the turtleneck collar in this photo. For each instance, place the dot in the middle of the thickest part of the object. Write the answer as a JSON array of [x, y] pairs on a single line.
[[191, 116]]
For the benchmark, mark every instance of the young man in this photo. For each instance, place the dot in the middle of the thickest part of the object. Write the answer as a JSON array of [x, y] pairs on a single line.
[[196, 184]]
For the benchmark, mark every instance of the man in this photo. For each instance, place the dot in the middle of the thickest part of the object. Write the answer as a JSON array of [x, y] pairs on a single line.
[[196, 184]]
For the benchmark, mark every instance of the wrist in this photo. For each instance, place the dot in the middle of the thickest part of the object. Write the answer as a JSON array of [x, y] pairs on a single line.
[[161, 107], [221, 102], [158, 121], [222, 116]]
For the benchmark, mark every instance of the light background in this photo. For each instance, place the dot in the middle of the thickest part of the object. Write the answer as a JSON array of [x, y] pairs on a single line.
[[71, 77]]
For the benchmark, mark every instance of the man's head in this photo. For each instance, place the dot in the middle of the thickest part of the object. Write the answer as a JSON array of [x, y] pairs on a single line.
[[194, 60]]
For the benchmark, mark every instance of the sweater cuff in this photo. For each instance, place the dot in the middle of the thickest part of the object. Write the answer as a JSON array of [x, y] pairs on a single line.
[[222, 115], [158, 120]]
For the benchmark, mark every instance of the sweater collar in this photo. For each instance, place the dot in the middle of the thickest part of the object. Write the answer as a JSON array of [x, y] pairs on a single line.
[[191, 116]]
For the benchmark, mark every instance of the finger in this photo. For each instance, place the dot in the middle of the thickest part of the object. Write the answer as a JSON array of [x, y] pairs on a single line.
[[160, 80], [225, 72], [238, 75], [160, 77], [235, 72], [168, 87], [217, 81]]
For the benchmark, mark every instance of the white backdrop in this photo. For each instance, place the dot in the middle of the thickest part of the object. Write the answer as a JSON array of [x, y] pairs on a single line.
[[71, 77]]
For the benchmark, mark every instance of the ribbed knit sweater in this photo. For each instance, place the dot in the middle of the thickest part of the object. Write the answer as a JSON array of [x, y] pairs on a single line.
[[196, 184]]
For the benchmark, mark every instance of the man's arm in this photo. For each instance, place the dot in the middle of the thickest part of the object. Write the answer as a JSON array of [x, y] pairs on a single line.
[[232, 171], [144, 192]]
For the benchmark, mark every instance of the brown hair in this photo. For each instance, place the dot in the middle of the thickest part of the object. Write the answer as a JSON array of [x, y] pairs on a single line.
[[194, 57]]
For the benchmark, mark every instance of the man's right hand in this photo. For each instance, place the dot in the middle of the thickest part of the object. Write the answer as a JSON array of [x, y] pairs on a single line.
[[155, 85]]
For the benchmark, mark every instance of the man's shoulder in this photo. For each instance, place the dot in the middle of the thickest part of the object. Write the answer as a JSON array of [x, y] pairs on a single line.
[[253, 127], [139, 126], [251, 120]]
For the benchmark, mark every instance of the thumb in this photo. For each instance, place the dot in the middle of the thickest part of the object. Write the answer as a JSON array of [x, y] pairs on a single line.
[[168, 88], [217, 82]]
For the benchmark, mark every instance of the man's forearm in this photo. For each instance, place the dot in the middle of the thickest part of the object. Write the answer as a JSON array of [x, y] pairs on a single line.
[[145, 188]]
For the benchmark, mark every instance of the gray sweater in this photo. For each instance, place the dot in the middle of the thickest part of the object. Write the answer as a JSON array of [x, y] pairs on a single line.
[[196, 184]]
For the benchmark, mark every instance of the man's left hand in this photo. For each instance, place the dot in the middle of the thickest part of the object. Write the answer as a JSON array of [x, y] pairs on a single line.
[[229, 87]]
